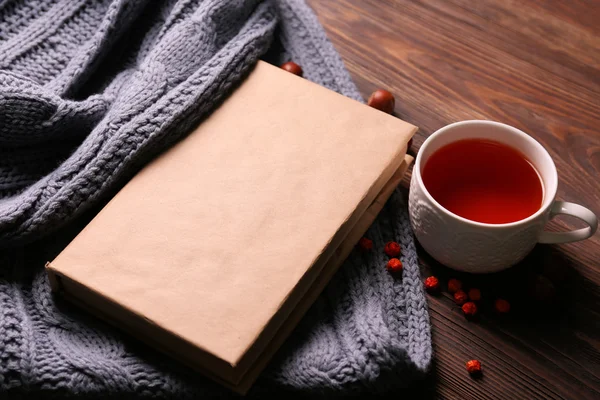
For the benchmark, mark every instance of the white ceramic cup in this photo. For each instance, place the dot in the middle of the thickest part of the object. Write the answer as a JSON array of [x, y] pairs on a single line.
[[478, 247]]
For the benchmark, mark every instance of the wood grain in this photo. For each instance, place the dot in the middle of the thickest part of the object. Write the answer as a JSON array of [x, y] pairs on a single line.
[[533, 64]]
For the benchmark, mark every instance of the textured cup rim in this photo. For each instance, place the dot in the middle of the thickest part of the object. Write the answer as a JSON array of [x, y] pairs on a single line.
[[550, 195]]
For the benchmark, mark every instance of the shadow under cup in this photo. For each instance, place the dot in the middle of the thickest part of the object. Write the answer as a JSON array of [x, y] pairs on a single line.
[[469, 245]]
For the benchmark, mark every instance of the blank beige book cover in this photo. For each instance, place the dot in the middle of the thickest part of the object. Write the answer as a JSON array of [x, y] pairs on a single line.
[[214, 250]]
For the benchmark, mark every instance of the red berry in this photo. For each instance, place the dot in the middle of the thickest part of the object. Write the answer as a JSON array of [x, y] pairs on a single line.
[[473, 366], [469, 308], [394, 265], [293, 68], [460, 297], [382, 100], [365, 244], [474, 294], [502, 306], [454, 285], [542, 288], [432, 283], [392, 249]]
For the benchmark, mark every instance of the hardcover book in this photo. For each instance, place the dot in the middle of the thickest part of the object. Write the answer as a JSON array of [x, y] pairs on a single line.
[[215, 249]]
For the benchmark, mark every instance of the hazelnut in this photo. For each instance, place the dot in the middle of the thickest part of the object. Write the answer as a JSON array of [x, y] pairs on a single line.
[[382, 100], [292, 67]]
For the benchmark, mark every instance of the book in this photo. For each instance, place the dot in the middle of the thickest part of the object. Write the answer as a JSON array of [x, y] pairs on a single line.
[[215, 249]]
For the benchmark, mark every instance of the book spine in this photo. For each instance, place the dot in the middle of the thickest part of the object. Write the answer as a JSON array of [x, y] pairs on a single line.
[[55, 279]]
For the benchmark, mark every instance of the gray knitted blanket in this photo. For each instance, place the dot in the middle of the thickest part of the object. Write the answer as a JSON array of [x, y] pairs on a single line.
[[90, 90]]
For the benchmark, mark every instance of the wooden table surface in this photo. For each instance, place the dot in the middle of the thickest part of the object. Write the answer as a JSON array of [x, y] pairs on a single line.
[[535, 65]]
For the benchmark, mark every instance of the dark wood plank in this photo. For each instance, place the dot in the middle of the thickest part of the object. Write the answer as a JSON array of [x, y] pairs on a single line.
[[534, 64]]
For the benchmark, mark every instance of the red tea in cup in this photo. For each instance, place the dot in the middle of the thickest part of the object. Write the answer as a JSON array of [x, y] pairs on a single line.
[[483, 181]]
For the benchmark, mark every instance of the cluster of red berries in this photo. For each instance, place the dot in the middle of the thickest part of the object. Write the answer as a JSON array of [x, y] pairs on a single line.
[[392, 249], [467, 300]]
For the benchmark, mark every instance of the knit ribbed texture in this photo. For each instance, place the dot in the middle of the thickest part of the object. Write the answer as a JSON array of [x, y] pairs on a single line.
[[89, 92]]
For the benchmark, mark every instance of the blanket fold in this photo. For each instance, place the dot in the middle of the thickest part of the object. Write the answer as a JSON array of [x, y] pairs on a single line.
[[90, 90]]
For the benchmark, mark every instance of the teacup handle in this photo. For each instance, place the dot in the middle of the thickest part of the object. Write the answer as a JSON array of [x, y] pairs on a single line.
[[574, 210]]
